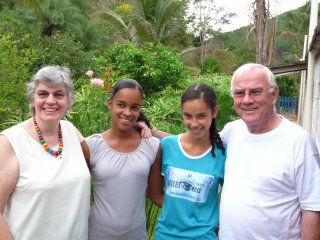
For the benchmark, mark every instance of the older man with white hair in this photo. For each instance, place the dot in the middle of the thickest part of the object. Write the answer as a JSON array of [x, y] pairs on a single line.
[[272, 176]]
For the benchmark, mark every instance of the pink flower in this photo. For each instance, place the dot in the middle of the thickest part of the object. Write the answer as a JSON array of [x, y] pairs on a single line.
[[97, 82], [89, 73]]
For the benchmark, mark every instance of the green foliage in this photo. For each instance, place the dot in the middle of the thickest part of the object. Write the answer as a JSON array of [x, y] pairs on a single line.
[[12, 22], [292, 27], [14, 71], [154, 66], [90, 111], [221, 86], [152, 214], [56, 14], [164, 110], [288, 85], [157, 21], [6, 4], [23, 53], [235, 49], [60, 49], [95, 37], [227, 60], [210, 65]]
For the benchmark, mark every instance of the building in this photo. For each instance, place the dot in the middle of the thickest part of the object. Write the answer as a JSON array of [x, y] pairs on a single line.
[[309, 115]]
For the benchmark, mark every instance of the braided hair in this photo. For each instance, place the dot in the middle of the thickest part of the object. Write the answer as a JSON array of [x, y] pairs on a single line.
[[206, 93], [133, 84]]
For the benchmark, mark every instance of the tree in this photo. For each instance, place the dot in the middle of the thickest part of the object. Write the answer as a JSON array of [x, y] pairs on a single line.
[[288, 85], [146, 20], [297, 24], [6, 4], [31, 4], [264, 35], [293, 28], [55, 14], [206, 16]]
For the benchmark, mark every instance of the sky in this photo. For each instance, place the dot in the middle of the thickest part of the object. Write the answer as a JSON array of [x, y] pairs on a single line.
[[244, 12]]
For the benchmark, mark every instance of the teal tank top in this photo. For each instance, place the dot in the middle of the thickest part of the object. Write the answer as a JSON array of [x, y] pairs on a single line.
[[190, 206]]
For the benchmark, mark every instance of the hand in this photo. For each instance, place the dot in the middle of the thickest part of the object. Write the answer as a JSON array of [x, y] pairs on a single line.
[[144, 129]]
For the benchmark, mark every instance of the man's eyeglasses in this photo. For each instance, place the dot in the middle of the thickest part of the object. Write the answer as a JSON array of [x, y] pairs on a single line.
[[253, 92]]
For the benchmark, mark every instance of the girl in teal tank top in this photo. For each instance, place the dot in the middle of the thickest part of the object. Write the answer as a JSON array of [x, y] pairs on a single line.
[[186, 182]]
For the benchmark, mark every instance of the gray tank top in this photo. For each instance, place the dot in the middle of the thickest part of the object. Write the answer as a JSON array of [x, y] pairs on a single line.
[[120, 181]]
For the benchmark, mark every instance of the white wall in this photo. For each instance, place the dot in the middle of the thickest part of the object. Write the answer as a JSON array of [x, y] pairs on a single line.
[[315, 131]]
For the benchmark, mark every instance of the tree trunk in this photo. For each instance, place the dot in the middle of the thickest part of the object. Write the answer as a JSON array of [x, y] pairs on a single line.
[[260, 22], [272, 48]]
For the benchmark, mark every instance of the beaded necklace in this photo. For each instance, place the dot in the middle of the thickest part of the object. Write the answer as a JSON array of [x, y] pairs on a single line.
[[43, 142]]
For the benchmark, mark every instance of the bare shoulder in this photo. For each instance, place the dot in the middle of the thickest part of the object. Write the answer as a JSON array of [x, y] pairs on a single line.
[[9, 170], [8, 158], [6, 148]]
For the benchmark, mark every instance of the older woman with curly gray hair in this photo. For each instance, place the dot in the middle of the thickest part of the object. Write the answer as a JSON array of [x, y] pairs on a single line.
[[45, 182]]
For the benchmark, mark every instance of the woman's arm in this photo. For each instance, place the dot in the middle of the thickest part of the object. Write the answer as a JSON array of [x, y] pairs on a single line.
[[155, 181], [147, 132], [9, 173], [159, 134]]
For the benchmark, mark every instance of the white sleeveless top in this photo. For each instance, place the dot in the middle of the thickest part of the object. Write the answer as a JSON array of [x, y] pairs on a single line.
[[51, 199]]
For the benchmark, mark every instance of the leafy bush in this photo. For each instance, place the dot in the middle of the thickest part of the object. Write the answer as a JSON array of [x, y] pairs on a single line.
[[14, 72], [288, 85], [154, 66], [90, 111], [61, 48], [210, 65], [164, 111], [221, 86], [22, 54], [58, 49]]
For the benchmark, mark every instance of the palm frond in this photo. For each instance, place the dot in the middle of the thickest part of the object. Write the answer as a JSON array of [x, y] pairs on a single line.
[[190, 56], [288, 36], [138, 8], [115, 20], [164, 14], [250, 35], [31, 4], [142, 31]]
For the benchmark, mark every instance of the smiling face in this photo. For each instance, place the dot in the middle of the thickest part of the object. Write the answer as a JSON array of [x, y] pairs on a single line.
[[50, 102], [197, 117], [256, 110], [125, 107]]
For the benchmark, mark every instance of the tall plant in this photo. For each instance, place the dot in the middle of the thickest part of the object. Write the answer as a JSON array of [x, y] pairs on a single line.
[[155, 21], [55, 14]]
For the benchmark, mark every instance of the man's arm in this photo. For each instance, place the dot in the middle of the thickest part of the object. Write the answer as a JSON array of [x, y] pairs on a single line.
[[9, 172], [310, 225]]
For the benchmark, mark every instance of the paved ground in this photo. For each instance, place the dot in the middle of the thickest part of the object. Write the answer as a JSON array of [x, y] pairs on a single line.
[[293, 118]]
